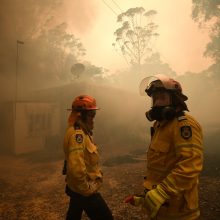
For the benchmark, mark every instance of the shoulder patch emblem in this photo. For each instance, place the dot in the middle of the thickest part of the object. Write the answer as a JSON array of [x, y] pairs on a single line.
[[79, 138], [186, 132]]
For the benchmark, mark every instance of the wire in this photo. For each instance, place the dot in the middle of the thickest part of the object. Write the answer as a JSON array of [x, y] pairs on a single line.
[[116, 15], [110, 8], [117, 5]]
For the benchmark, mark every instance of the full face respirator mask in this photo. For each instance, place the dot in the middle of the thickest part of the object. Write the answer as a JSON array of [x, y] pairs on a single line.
[[161, 113], [163, 108]]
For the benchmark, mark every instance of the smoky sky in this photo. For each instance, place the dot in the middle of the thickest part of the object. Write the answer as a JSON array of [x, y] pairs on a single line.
[[80, 15], [23, 20], [28, 15]]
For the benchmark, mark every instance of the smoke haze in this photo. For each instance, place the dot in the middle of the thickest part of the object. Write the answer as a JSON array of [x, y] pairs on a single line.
[[42, 62], [54, 50]]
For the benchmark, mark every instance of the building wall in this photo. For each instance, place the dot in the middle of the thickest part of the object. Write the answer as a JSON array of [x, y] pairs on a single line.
[[7, 127], [29, 126]]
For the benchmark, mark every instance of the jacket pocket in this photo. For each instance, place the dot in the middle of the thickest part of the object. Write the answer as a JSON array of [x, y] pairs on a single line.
[[157, 153], [92, 154]]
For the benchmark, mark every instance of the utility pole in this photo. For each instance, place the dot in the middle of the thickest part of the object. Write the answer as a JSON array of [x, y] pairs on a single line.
[[16, 74]]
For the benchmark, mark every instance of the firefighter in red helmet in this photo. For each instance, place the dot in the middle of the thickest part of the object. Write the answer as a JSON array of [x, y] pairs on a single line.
[[174, 156], [82, 169]]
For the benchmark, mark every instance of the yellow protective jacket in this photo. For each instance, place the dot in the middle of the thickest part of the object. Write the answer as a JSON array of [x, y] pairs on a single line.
[[84, 175], [174, 160]]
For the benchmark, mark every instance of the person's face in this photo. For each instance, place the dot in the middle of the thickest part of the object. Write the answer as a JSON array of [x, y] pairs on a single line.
[[161, 98], [90, 116]]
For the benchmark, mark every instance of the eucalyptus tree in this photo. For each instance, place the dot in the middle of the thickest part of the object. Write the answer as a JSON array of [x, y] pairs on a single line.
[[135, 36], [207, 14], [62, 48]]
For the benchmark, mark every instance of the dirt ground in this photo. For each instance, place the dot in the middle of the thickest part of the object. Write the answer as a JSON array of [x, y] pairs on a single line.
[[33, 189]]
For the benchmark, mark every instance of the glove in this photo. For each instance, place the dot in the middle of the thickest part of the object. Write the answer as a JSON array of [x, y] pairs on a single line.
[[134, 200], [154, 199], [95, 185]]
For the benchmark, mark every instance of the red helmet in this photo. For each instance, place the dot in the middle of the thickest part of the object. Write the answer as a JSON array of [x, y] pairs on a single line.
[[161, 82], [84, 102]]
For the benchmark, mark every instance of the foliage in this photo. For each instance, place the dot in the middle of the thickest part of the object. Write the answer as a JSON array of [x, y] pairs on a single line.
[[77, 69], [129, 80], [27, 18], [208, 12], [135, 36], [58, 38], [93, 70], [49, 50], [154, 65], [65, 48], [204, 10]]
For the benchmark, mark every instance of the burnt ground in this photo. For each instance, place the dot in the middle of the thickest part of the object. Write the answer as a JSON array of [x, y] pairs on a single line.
[[33, 188]]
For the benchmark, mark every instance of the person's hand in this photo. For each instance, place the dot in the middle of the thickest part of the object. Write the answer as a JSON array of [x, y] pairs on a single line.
[[134, 200], [154, 199], [94, 186]]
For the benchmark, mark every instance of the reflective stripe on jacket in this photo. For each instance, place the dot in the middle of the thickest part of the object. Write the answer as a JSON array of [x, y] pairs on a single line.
[[175, 159]]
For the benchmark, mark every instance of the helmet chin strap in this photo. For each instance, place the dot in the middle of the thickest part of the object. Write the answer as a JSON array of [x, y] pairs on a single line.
[[160, 113]]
